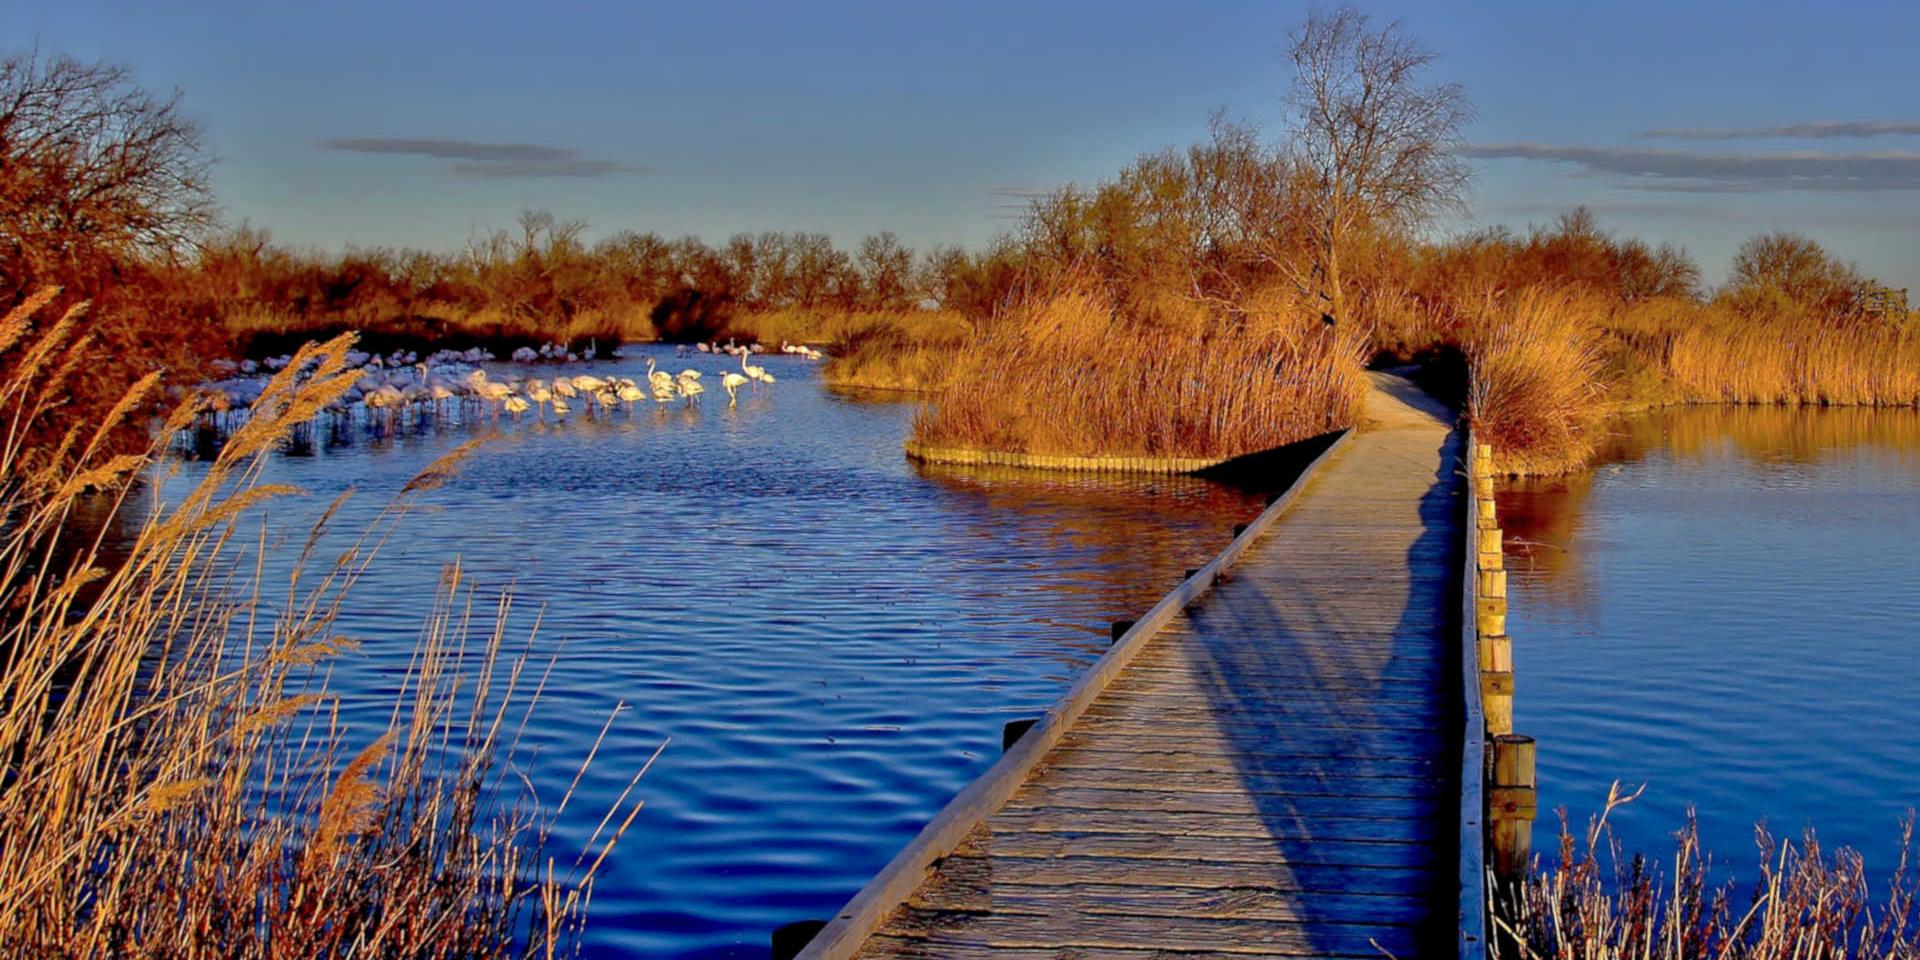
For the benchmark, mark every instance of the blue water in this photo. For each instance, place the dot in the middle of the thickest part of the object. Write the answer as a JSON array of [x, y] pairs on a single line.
[[829, 636], [1728, 612]]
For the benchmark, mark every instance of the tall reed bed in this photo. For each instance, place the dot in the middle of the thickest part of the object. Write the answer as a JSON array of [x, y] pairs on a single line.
[[905, 351], [1066, 374], [177, 780], [1593, 903], [1772, 362], [1534, 390]]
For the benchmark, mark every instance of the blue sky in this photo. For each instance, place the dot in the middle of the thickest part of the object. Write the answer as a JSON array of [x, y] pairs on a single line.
[[356, 122]]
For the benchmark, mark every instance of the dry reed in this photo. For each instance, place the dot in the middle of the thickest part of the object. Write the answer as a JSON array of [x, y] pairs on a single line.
[[1534, 391], [178, 782], [1805, 904], [1066, 374]]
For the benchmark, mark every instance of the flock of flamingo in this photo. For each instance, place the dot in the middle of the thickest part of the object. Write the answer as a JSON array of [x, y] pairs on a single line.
[[402, 383]]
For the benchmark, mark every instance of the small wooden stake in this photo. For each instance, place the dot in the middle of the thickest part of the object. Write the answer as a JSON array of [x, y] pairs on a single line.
[[1496, 701], [1487, 508], [1511, 803], [1492, 623], [1493, 583]]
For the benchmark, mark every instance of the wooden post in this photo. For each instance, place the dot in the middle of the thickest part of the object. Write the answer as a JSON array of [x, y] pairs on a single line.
[[791, 938], [1493, 583], [1487, 515], [1492, 550], [1496, 684], [1510, 807]]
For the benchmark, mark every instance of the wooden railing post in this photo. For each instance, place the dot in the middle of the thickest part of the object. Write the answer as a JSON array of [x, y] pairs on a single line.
[[1511, 804]]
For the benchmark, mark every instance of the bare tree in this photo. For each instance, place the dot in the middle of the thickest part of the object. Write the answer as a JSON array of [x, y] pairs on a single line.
[[92, 168], [1372, 139]]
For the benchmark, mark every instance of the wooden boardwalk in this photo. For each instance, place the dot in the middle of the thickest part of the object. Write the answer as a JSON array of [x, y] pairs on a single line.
[[1271, 769]]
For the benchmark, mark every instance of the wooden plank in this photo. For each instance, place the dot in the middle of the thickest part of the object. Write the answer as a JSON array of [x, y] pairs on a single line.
[[1332, 783], [1187, 764], [1244, 903], [1230, 936], [1240, 804], [1059, 818], [1136, 846], [1302, 742]]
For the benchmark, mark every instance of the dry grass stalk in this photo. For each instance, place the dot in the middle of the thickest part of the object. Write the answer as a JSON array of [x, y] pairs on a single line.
[[174, 784], [1805, 904]]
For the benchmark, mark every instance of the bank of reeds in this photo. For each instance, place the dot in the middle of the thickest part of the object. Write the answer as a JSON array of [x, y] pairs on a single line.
[[913, 351], [178, 781], [1066, 374], [1724, 360], [1595, 903], [1533, 386]]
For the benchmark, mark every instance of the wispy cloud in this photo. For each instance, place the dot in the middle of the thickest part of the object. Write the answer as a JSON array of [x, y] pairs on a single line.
[[1812, 130], [1694, 172], [491, 160]]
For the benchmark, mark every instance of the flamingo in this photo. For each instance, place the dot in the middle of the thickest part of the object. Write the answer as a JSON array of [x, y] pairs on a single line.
[[732, 382]]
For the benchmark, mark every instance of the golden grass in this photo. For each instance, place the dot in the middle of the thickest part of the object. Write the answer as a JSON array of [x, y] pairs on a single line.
[[178, 782], [1722, 359], [1067, 375], [1806, 904], [1533, 386], [912, 351]]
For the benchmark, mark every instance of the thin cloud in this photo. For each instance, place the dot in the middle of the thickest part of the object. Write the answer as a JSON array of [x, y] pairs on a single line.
[[1813, 130], [1692, 172], [488, 160]]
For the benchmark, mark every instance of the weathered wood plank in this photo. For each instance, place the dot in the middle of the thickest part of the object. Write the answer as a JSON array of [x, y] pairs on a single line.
[[1260, 825], [1228, 935], [1240, 804], [1331, 783], [1244, 903]]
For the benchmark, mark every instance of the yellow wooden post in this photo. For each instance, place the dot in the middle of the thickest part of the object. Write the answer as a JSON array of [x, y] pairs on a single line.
[[1511, 803]]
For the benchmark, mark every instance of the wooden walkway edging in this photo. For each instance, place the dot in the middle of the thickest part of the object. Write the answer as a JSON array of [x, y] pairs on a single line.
[[1473, 732], [1503, 787], [844, 935], [1058, 461]]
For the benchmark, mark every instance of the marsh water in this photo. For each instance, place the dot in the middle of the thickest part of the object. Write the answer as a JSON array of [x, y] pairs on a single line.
[[1727, 610], [828, 638]]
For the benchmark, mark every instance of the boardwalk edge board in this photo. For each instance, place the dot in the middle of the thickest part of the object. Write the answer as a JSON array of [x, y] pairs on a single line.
[[1473, 744], [956, 456], [847, 932]]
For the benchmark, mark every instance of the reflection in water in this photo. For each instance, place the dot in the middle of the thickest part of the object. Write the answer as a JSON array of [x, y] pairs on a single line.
[[1724, 610], [831, 638]]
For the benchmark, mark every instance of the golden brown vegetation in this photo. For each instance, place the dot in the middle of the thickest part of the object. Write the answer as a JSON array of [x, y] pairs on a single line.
[[1807, 904], [1067, 374], [178, 781]]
